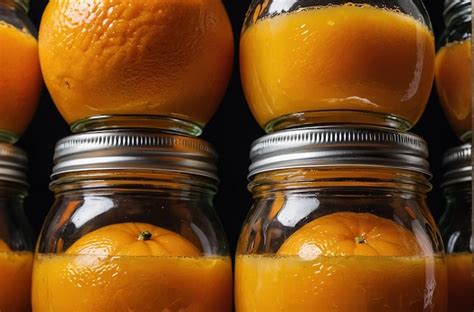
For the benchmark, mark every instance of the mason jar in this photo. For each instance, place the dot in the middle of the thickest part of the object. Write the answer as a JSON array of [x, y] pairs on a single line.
[[455, 227], [319, 62], [133, 227], [20, 73], [340, 223], [16, 238], [453, 67]]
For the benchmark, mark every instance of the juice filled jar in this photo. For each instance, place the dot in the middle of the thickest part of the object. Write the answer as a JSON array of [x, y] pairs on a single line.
[[337, 62], [20, 74], [453, 67], [16, 239], [340, 223], [455, 227], [132, 227], [161, 64]]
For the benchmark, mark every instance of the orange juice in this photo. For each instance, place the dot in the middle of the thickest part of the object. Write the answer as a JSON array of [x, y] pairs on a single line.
[[15, 281], [347, 283], [20, 79], [155, 58], [454, 84], [337, 64], [460, 287], [127, 283]]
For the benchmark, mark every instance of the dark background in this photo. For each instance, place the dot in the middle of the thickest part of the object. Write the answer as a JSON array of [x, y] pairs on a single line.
[[232, 130]]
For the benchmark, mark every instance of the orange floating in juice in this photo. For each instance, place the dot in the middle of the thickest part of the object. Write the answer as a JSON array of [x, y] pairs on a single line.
[[150, 58], [132, 267], [337, 64], [20, 80], [15, 279], [454, 85], [343, 262], [460, 283]]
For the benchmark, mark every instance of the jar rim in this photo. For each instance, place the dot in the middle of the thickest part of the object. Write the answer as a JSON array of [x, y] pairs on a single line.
[[339, 146], [133, 150]]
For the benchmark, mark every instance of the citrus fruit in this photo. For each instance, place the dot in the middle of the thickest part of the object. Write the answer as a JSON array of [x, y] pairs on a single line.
[[142, 57], [351, 234], [132, 239]]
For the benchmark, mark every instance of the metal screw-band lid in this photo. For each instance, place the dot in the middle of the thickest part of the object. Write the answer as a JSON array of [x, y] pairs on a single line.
[[134, 150], [13, 164], [453, 9], [331, 146], [457, 163]]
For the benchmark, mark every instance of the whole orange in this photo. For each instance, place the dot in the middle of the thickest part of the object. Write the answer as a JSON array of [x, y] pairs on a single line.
[[351, 234], [132, 239], [143, 57]]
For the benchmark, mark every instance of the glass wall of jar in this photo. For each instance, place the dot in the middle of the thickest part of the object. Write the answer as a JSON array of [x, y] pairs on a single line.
[[136, 64], [340, 223], [16, 238], [20, 74], [133, 227], [453, 67], [316, 62], [455, 227]]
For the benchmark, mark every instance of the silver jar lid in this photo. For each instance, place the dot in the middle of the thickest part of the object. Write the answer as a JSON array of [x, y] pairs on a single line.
[[457, 163], [13, 164], [331, 146], [134, 150]]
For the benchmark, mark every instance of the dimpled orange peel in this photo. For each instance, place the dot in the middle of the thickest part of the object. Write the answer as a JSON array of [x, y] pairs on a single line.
[[351, 234], [143, 57]]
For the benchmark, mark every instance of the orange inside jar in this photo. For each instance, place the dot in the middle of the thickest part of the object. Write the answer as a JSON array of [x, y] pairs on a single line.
[[337, 64], [20, 80], [454, 85], [156, 64]]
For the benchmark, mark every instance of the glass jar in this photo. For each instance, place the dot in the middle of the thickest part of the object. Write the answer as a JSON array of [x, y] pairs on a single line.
[[16, 238], [453, 67], [20, 75], [455, 227], [340, 223], [317, 62], [140, 64], [133, 227]]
